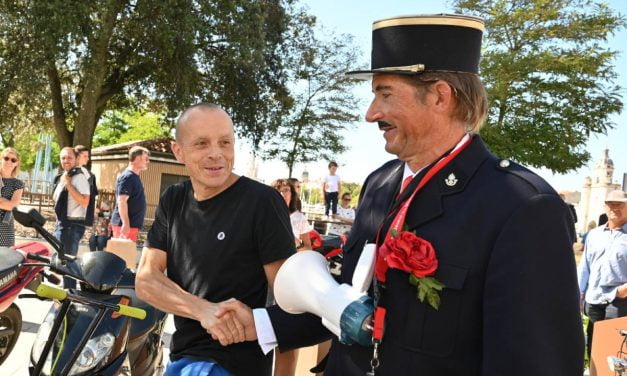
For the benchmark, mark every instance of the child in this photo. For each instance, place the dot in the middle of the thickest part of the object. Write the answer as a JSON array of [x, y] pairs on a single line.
[[101, 231], [331, 187]]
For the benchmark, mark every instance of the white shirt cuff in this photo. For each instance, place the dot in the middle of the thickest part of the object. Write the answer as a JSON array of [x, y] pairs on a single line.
[[265, 331]]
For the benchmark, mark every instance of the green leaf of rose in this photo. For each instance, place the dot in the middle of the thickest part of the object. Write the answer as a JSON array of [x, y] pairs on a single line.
[[394, 233], [434, 299]]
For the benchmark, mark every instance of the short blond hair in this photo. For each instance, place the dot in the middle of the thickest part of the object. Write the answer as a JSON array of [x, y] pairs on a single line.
[[137, 151], [16, 169]]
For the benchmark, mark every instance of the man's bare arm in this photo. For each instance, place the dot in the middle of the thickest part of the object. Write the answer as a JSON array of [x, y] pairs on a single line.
[[155, 288], [243, 312], [122, 202]]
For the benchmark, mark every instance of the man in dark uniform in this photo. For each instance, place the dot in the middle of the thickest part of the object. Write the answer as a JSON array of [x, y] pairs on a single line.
[[502, 236]]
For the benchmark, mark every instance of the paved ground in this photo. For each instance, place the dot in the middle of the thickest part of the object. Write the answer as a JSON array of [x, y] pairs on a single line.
[[34, 311]]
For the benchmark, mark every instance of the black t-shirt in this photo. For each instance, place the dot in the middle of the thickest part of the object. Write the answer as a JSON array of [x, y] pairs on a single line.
[[131, 185], [216, 250]]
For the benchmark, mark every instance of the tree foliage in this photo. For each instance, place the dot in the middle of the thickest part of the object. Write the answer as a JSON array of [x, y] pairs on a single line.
[[549, 77], [77, 59], [122, 126], [323, 102]]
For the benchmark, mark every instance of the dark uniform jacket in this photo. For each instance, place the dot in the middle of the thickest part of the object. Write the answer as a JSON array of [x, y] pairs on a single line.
[[503, 239]]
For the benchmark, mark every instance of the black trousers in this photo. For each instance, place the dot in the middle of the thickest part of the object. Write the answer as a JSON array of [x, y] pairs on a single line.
[[599, 312], [330, 199]]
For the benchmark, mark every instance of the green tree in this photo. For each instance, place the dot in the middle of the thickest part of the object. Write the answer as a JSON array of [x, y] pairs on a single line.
[[78, 59], [324, 105], [549, 77], [27, 144], [354, 189], [117, 127]]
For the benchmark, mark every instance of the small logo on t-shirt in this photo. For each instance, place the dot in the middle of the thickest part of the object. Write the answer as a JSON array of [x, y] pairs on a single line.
[[221, 236]]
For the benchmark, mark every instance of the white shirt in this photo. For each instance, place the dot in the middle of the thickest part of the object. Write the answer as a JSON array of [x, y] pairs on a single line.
[[80, 182], [300, 224], [331, 183], [340, 229]]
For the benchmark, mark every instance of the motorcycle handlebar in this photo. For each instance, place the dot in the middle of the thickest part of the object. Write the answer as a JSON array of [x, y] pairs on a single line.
[[134, 312], [49, 292], [34, 256]]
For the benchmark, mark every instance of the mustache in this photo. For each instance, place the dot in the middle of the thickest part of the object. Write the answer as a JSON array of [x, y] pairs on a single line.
[[383, 124]]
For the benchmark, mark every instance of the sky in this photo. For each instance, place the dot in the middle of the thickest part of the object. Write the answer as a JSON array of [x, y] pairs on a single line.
[[366, 144]]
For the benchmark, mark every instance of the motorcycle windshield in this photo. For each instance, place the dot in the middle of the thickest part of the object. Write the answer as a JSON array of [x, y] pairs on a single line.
[[101, 271], [100, 348]]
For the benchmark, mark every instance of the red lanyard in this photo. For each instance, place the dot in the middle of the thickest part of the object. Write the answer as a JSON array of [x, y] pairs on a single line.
[[399, 220]]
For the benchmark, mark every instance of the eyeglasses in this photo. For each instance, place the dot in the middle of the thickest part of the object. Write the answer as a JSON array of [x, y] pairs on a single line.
[[14, 160], [346, 199]]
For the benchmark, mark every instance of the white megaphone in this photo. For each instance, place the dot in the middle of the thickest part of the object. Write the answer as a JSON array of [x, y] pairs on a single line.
[[304, 284]]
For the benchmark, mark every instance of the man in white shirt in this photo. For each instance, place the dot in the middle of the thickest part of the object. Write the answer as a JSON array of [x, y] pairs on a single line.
[[71, 197]]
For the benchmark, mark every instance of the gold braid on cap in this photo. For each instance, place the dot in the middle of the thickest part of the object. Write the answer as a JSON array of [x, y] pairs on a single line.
[[444, 20]]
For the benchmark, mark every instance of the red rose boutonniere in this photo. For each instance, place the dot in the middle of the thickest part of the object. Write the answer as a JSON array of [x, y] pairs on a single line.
[[408, 252]]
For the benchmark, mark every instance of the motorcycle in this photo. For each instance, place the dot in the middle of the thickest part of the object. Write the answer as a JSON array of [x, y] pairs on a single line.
[[331, 247], [15, 275], [93, 330]]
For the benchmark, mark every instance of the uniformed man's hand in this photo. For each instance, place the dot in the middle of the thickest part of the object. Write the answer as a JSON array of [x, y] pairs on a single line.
[[244, 316]]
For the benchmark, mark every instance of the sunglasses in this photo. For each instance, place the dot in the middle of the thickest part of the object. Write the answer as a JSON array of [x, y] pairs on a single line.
[[346, 199], [14, 160]]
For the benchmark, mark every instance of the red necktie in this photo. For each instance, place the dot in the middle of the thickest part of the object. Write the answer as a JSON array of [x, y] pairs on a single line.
[[406, 183]]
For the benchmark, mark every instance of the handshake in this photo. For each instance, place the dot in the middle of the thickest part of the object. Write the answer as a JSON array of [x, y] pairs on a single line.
[[303, 284], [228, 322]]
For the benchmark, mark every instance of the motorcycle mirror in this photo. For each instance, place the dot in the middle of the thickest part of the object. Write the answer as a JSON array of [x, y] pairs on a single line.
[[28, 217]]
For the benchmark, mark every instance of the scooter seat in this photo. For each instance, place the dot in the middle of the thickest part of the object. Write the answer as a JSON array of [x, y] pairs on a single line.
[[9, 259], [9, 262]]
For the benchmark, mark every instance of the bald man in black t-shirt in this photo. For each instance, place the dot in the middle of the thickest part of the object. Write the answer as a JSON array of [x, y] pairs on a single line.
[[219, 236]]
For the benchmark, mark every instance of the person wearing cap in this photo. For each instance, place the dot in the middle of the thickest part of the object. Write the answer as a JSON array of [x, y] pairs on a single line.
[[603, 266], [502, 236]]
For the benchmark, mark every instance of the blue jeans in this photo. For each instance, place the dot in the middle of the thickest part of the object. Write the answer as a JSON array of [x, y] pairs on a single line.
[[69, 236], [97, 242], [190, 367]]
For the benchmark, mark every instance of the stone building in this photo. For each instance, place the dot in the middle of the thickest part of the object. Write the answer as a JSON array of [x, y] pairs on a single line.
[[595, 188]]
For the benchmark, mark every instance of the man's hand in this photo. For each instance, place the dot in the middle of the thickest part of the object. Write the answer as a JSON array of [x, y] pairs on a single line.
[[67, 180], [243, 315], [225, 328], [125, 229]]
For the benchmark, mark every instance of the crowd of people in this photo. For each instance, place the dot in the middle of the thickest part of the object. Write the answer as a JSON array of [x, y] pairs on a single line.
[[495, 237]]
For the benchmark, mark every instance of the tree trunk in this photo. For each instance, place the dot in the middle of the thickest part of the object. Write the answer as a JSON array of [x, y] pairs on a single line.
[[87, 117], [64, 136]]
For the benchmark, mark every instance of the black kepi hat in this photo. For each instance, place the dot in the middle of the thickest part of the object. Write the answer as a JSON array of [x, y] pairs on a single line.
[[425, 43]]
